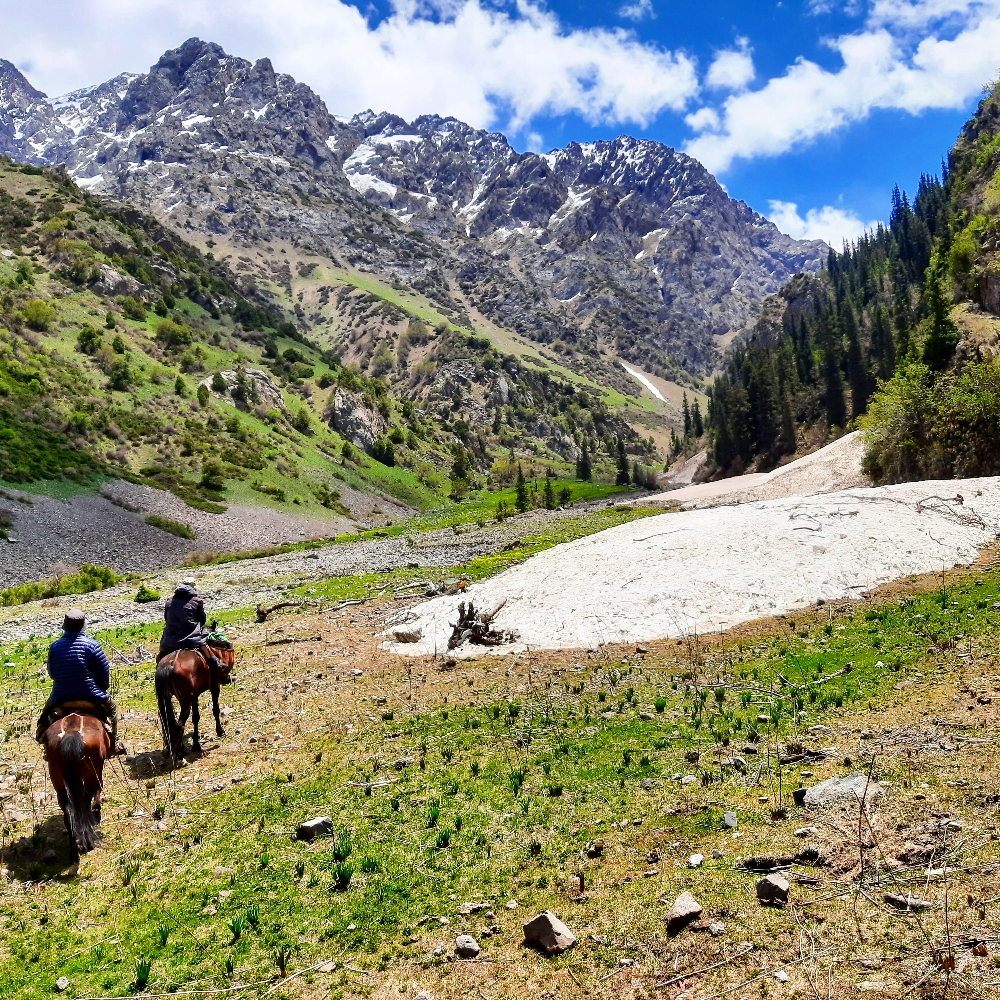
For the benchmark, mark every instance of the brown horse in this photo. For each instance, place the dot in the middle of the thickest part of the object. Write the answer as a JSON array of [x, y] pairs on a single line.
[[184, 675], [76, 747]]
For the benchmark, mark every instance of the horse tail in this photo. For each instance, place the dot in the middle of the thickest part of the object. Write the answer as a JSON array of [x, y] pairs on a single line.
[[72, 751], [165, 705]]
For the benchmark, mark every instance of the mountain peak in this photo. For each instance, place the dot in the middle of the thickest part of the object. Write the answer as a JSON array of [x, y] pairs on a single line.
[[15, 91]]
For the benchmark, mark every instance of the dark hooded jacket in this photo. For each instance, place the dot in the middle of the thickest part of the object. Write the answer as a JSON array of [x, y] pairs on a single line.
[[185, 622]]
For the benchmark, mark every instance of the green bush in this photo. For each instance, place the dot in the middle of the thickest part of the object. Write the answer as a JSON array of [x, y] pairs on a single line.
[[121, 376], [86, 580], [178, 528], [213, 475], [132, 308], [38, 314], [173, 336], [382, 451], [88, 340], [203, 396], [920, 426], [144, 595]]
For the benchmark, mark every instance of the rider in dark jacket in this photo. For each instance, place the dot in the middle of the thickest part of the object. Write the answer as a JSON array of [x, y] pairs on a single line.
[[80, 673], [186, 624]]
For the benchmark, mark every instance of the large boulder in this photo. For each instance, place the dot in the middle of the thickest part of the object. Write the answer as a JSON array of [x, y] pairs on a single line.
[[258, 386], [549, 934], [354, 420], [851, 789]]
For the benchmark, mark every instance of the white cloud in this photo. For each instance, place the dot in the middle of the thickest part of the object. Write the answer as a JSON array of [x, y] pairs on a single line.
[[637, 10], [458, 57], [881, 69], [732, 69], [832, 225]]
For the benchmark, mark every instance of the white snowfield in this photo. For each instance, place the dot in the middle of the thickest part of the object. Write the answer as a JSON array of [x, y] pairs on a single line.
[[700, 571]]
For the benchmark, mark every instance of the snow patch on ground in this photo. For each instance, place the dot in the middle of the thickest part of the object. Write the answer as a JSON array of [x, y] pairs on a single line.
[[701, 571], [640, 377]]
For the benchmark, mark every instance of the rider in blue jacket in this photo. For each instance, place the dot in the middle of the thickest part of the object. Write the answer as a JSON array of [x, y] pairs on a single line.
[[80, 673]]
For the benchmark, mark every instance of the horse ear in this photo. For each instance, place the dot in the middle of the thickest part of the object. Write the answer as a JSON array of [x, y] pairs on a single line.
[[213, 625]]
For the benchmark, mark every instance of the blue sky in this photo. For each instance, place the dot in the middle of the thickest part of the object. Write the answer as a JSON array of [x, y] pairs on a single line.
[[810, 110]]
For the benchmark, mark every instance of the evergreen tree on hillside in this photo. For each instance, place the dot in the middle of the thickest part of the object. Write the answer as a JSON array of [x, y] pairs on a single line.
[[697, 423], [857, 370], [583, 470], [942, 336], [521, 491], [624, 477], [687, 416]]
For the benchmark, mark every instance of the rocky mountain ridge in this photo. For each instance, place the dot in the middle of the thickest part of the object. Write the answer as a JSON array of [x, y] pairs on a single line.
[[624, 248]]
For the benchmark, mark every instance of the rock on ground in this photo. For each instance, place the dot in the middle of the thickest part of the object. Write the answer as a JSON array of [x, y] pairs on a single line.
[[852, 788], [466, 946], [685, 909], [549, 934], [773, 889]]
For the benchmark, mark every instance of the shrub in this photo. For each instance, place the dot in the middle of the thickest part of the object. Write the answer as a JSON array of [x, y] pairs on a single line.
[[660, 704], [219, 383], [383, 451], [109, 321], [38, 314], [172, 335], [88, 340], [120, 376], [178, 528], [118, 344], [86, 580], [132, 308], [180, 387], [142, 970], [301, 421], [145, 596], [203, 396], [213, 475], [443, 839]]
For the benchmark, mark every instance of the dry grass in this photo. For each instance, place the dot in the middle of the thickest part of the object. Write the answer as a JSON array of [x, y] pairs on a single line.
[[931, 734]]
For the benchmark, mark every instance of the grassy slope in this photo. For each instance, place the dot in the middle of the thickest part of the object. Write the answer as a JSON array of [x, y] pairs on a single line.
[[570, 723]]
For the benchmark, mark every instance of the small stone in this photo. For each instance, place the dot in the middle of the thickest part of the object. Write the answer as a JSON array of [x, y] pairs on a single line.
[[650, 872], [209, 911], [729, 819], [62, 984], [596, 849], [466, 946], [688, 779], [511, 904], [626, 963], [49, 856], [716, 854], [467, 908], [352, 927], [648, 784], [806, 831], [907, 902], [320, 826], [439, 951], [763, 799], [646, 716], [696, 860], [224, 894], [717, 929], [781, 976], [685, 909], [443, 921], [549, 934], [773, 889]]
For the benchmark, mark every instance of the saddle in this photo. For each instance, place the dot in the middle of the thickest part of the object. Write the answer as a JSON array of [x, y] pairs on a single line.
[[80, 707]]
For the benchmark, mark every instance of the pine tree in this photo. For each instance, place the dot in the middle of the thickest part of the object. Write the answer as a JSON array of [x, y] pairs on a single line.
[[833, 378], [942, 337], [624, 477], [583, 470], [696, 421], [687, 417], [857, 372], [521, 498], [549, 496]]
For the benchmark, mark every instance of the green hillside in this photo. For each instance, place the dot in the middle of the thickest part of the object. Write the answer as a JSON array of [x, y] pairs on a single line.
[[126, 352]]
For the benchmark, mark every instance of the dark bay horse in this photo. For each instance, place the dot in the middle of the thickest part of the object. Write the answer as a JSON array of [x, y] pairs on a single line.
[[76, 747], [184, 675]]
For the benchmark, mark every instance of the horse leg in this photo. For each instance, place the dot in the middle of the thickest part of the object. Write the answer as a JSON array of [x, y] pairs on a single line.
[[63, 799], [195, 716], [219, 731]]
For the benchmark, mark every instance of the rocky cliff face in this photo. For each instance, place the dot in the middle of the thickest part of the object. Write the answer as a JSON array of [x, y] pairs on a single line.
[[626, 247]]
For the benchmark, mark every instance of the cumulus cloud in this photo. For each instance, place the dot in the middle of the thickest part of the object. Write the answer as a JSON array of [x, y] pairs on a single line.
[[732, 69], [459, 57], [637, 10], [911, 55], [832, 225]]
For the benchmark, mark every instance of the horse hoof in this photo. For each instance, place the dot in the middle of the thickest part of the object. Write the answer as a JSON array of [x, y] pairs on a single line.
[[74, 869], [220, 732]]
